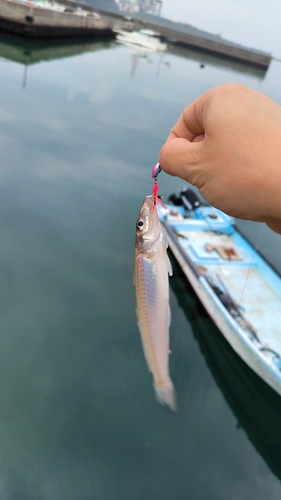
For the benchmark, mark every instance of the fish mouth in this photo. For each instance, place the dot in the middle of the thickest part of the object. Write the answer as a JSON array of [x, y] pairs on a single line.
[[148, 201], [148, 208]]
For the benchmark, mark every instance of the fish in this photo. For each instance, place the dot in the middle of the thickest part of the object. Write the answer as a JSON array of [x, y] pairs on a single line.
[[151, 269]]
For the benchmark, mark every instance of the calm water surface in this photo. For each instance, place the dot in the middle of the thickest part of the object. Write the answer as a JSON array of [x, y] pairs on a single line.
[[80, 126]]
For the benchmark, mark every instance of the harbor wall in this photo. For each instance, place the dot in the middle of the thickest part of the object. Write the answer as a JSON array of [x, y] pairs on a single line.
[[216, 47], [37, 21]]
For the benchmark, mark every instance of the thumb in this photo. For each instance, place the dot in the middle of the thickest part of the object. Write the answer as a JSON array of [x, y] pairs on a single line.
[[184, 159]]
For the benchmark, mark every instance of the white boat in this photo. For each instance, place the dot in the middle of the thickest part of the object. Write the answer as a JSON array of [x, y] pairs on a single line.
[[239, 289], [144, 38]]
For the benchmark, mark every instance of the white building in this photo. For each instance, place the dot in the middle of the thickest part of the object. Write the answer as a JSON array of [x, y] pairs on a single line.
[[148, 6]]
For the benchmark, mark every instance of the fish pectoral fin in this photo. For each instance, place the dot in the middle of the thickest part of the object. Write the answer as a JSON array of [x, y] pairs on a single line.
[[165, 239], [169, 265]]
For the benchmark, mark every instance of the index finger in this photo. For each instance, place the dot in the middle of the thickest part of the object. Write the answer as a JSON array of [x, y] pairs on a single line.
[[190, 122]]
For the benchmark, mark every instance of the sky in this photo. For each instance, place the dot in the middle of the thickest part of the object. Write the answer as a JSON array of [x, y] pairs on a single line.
[[253, 23]]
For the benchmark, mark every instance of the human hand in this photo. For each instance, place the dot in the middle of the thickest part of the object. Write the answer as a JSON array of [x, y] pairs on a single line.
[[227, 143]]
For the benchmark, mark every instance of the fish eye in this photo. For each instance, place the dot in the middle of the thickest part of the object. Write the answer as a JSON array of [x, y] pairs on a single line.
[[140, 224]]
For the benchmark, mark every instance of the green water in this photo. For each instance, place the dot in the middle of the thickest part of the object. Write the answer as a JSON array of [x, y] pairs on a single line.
[[80, 126]]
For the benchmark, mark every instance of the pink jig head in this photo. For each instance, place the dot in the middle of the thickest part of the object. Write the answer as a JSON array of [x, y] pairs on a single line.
[[154, 191], [156, 169]]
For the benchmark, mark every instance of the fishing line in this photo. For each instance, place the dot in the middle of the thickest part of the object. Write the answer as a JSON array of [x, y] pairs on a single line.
[[251, 263]]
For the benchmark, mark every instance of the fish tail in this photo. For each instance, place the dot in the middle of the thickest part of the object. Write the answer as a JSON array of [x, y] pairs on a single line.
[[166, 395]]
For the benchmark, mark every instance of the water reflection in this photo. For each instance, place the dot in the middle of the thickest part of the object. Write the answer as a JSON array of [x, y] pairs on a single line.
[[206, 59], [139, 57], [27, 52], [203, 58], [256, 406]]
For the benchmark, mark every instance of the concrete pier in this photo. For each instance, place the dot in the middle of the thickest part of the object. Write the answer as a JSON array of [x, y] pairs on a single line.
[[35, 21], [213, 44]]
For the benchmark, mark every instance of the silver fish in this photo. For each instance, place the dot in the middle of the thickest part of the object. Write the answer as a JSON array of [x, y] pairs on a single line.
[[151, 270]]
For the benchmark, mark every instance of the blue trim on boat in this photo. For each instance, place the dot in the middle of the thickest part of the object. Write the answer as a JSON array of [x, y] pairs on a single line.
[[258, 251]]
